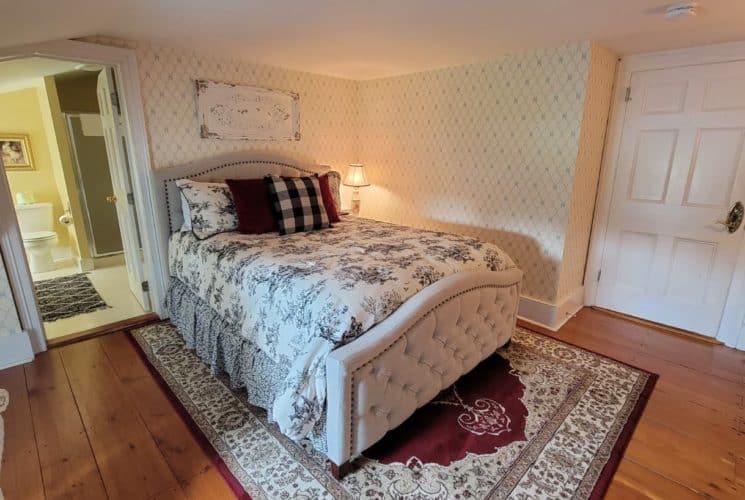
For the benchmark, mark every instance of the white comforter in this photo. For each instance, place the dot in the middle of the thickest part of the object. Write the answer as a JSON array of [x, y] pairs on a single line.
[[298, 297]]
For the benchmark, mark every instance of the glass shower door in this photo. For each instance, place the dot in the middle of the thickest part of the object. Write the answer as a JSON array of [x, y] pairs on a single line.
[[94, 183]]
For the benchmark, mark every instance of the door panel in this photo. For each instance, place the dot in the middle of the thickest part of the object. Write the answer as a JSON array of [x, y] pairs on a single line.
[[680, 168], [690, 269], [713, 187], [121, 183], [665, 97], [635, 259], [650, 172], [724, 94]]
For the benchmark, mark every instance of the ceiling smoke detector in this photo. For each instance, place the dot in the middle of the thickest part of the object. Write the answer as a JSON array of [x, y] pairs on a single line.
[[679, 10]]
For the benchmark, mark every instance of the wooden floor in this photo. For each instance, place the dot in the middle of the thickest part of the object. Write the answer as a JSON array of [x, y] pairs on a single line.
[[87, 420]]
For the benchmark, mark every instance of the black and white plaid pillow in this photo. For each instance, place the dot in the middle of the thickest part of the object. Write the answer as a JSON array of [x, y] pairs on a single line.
[[298, 205]]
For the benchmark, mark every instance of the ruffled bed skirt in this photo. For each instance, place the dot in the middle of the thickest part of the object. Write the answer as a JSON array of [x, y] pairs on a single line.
[[220, 345]]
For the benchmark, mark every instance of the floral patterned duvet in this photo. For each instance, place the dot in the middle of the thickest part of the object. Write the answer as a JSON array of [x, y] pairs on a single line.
[[298, 297]]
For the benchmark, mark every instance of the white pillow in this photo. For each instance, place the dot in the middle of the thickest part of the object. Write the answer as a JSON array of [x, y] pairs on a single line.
[[211, 207]]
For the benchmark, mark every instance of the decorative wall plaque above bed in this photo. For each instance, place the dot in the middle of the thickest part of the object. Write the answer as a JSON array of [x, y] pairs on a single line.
[[230, 111]]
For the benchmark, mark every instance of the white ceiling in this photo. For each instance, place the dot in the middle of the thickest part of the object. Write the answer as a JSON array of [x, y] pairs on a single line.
[[21, 73], [362, 39]]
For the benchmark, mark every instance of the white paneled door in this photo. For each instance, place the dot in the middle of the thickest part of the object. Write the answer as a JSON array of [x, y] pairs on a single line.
[[681, 169], [122, 186]]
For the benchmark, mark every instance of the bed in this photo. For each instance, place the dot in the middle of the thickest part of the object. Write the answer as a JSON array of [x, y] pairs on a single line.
[[340, 334]]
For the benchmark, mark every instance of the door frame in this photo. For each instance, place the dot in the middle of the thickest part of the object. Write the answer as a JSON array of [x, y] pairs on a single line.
[[124, 63], [732, 325]]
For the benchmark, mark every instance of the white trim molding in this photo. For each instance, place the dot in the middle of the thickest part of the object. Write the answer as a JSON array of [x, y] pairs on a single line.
[[19, 274], [732, 327], [551, 316], [124, 64], [15, 349]]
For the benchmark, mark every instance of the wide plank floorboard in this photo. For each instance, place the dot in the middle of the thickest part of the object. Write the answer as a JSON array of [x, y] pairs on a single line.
[[633, 481], [192, 468], [95, 407], [20, 476], [68, 466], [130, 462]]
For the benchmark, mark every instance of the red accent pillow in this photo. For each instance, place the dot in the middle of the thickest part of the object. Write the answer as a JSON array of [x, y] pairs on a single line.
[[253, 206], [328, 199]]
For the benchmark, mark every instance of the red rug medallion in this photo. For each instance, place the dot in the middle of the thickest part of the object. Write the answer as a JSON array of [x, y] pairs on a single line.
[[483, 411]]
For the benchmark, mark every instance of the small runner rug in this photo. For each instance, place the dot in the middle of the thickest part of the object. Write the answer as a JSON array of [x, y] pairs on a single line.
[[67, 296], [538, 419]]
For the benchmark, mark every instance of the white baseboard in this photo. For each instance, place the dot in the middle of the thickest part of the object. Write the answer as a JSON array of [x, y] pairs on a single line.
[[15, 349], [551, 316]]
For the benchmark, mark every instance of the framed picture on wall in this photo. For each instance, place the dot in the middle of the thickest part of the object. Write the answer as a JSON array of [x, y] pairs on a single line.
[[230, 111], [15, 151]]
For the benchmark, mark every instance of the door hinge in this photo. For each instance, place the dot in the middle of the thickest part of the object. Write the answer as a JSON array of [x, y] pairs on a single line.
[[131, 198], [600, 272], [115, 101], [145, 286], [627, 97]]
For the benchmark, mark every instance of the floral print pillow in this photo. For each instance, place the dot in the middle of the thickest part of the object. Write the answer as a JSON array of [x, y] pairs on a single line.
[[334, 184], [211, 206]]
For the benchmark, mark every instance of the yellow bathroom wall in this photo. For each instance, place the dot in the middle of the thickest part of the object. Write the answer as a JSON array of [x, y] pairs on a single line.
[[21, 113]]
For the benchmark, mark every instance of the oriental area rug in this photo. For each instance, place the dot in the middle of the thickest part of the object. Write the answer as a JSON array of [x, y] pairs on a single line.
[[538, 419]]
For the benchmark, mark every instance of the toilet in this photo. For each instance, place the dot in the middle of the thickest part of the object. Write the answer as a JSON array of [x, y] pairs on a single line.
[[36, 221]]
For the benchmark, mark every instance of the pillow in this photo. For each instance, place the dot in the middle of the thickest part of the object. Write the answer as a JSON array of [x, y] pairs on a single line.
[[186, 212], [328, 198], [211, 206], [335, 185], [253, 206], [298, 204]]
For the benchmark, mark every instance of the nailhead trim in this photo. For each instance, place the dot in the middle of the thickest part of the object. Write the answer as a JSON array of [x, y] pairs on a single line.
[[219, 167], [352, 421]]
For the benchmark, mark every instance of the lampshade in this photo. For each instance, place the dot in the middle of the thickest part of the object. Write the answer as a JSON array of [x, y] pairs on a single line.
[[356, 176]]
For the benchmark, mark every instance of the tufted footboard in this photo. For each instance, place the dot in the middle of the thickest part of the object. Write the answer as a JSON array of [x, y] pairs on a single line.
[[443, 332]]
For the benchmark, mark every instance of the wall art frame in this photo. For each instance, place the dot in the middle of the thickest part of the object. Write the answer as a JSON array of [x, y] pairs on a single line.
[[244, 112]]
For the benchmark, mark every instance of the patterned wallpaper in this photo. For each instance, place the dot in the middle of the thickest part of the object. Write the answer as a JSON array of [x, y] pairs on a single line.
[[485, 149], [9, 322], [598, 97], [328, 106]]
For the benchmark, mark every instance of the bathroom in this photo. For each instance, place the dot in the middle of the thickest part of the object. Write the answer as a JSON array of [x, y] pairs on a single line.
[[56, 162]]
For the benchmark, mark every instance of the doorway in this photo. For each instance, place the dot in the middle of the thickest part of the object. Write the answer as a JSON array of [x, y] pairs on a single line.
[[65, 163], [669, 239]]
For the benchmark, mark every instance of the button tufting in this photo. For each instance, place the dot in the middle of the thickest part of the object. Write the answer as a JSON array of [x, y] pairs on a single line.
[[485, 326]]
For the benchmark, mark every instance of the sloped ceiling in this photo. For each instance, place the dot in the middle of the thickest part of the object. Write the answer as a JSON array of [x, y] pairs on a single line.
[[369, 39]]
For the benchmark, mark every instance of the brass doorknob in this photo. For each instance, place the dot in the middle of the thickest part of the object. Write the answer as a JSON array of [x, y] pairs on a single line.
[[111, 198], [734, 218]]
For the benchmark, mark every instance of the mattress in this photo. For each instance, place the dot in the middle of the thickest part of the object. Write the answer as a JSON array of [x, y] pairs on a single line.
[[297, 297]]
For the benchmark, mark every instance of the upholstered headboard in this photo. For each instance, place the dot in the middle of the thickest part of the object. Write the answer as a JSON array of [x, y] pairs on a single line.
[[239, 165]]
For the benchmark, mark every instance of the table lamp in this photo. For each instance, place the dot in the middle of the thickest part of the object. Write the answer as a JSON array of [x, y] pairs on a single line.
[[356, 178]]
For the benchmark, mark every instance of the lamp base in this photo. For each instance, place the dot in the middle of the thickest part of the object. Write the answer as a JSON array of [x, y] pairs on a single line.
[[356, 202]]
